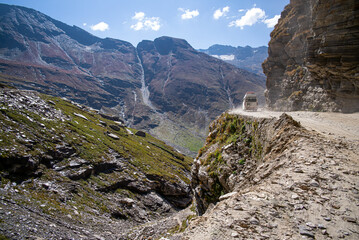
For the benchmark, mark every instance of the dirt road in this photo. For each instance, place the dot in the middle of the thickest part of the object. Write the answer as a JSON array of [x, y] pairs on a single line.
[[306, 186], [333, 125]]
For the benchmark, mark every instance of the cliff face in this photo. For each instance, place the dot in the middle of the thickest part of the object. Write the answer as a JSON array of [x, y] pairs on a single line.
[[313, 61], [235, 147]]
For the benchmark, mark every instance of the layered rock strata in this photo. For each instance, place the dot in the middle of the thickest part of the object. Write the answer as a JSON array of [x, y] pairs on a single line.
[[313, 61]]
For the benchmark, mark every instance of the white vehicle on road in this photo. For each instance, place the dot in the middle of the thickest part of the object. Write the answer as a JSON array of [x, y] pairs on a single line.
[[250, 102]]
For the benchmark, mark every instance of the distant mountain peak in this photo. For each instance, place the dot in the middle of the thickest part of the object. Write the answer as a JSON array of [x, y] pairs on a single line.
[[248, 58], [165, 44]]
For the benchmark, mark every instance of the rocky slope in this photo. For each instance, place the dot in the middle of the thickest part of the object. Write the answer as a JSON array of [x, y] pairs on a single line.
[[270, 178], [313, 57], [40, 53], [247, 58], [69, 173], [146, 86]]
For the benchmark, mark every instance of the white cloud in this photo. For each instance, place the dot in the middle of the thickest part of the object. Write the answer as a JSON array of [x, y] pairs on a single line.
[[271, 22], [188, 14], [153, 23], [145, 23], [251, 17], [101, 26], [138, 26], [219, 13], [139, 16], [84, 24]]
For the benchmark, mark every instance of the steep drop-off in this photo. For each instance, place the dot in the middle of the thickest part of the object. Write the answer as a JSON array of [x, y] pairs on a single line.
[[313, 61]]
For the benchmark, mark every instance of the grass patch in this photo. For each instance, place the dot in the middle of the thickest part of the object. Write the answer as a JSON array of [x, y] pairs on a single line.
[[3, 237], [228, 129]]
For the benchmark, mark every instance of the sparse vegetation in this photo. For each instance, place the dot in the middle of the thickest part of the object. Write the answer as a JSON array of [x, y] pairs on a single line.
[[86, 137], [231, 129], [2, 237]]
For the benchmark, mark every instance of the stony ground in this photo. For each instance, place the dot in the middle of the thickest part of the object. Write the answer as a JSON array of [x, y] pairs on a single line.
[[309, 191], [30, 222]]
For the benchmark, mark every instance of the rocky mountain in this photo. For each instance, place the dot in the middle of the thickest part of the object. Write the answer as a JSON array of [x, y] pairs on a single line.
[[40, 53], [247, 58], [314, 57], [190, 88], [164, 87], [68, 172]]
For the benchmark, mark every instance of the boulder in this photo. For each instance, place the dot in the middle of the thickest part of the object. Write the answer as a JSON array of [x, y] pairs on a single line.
[[114, 136], [140, 134], [115, 127]]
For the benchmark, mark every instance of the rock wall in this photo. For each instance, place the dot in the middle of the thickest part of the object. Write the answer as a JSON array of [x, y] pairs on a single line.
[[234, 149], [313, 61]]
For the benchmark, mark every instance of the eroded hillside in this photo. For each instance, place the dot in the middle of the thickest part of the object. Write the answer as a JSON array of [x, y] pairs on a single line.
[[68, 172]]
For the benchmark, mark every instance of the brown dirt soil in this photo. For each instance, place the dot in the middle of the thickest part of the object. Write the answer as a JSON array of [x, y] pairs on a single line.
[[333, 124]]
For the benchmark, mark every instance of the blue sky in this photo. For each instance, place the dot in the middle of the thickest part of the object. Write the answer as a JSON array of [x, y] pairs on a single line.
[[201, 22]]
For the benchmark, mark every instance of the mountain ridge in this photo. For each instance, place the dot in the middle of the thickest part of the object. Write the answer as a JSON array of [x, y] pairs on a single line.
[[117, 78], [248, 58]]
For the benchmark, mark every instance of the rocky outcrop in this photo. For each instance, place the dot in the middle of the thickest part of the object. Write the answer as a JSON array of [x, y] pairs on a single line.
[[265, 178], [234, 149], [313, 57]]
